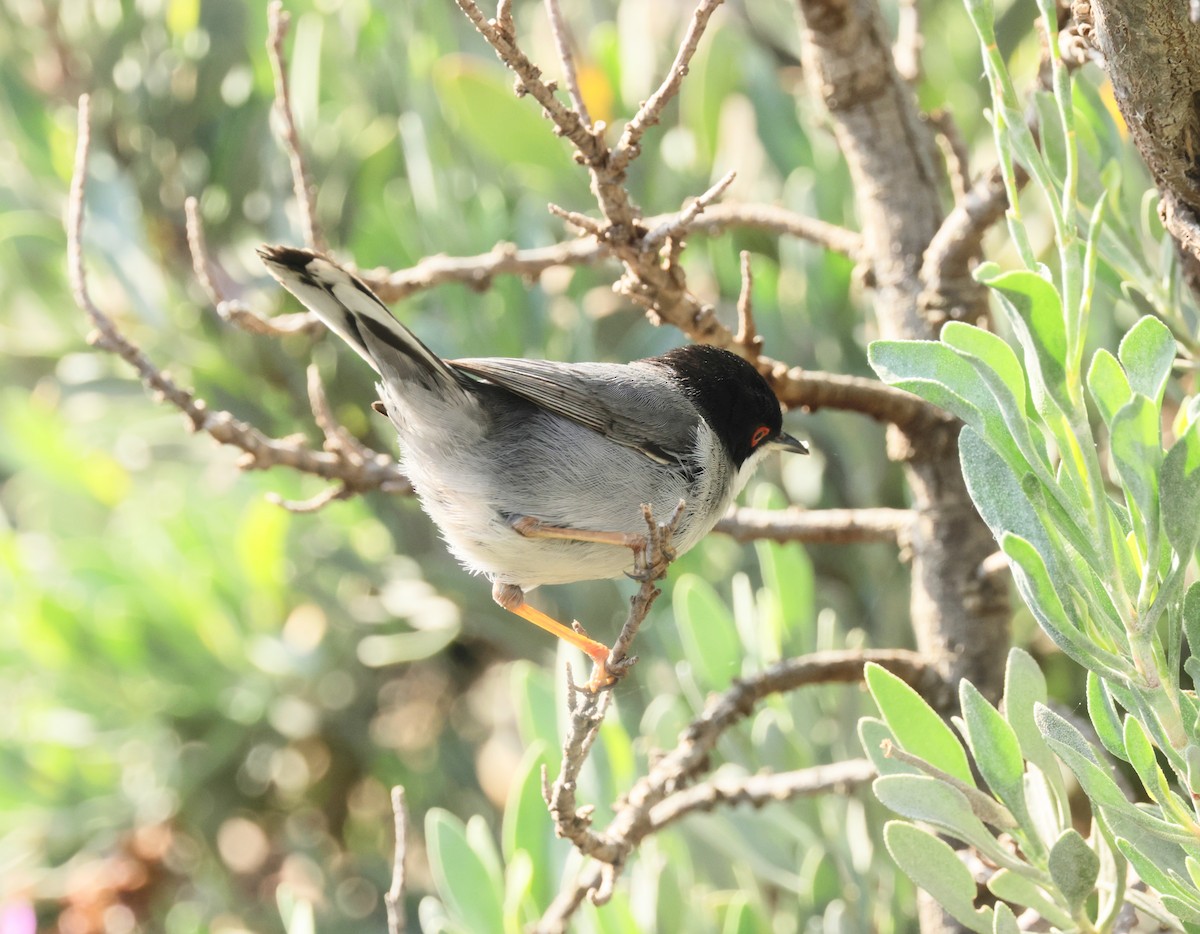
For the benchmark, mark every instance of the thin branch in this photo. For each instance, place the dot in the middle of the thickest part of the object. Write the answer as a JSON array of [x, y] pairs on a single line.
[[774, 219], [337, 439], [505, 259], [562, 42], [814, 389], [649, 803], [393, 900], [747, 334], [278, 21], [572, 822], [581, 222], [946, 267], [819, 526], [763, 788], [477, 272], [260, 451], [682, 222], [650, 564], [233, 311], [651, 561], [501, 37], [629, 146]]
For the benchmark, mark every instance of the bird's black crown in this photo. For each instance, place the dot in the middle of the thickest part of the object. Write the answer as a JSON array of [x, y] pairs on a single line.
[[731, 394]]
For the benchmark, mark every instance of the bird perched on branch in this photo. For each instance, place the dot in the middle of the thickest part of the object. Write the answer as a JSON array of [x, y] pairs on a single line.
[[536, 472]]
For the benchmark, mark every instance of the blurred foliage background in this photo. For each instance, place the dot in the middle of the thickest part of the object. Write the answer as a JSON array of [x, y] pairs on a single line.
[[208, 697]]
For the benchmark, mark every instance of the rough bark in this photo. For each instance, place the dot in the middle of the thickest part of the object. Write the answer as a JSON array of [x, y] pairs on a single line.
[[1152, 55], [960, 618]]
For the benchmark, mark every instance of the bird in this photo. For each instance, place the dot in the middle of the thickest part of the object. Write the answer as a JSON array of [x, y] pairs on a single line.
[[536, 472]]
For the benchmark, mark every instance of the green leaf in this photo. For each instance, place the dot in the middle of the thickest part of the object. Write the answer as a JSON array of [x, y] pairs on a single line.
[[787, 574], [1191, 617], [933, 801], [934, 372], [1036, 315], [1004, 921], [1037, 590], [1075, 867], [1105, 717], [1024, 689], [1108, 385], [1179, 480], [1082, 759], [915, 725], [1144, 761], [707, 631], [1148, 352], [519, 898], [992, 351], [464, 881], [968, 388], [997, 492], [1137, 452], [526, 825], [1013, 887], [996, 749], [1054, 144], [872, 733], [1181, 909], [1163, 874], [933, 865]]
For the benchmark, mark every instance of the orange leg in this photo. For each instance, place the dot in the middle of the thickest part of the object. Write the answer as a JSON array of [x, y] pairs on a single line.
[[534, 528], [512, 598]]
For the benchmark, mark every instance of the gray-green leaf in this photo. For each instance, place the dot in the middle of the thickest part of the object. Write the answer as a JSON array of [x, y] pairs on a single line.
[[1074, 866], [932, 865]]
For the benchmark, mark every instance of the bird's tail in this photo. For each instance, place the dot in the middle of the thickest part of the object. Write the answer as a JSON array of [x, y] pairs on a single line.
[[355, 313]]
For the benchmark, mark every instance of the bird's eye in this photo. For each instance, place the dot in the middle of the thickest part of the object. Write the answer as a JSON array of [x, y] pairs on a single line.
[[760, 434]]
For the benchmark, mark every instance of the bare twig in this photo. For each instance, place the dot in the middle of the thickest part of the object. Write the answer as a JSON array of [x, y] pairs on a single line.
[[649, 803], [682, 221], [946, 267], [581, 222], [505, 259], [231, 310], [814, 389], [762, 788], [571, 821], [500, 35], [628, 148], [588, 707], [747, 334], [774, 219], [478, 272], [394, 899], [260, 451], [824, 526], [562, 41], [650, 565], [278, 21], [337, 439]]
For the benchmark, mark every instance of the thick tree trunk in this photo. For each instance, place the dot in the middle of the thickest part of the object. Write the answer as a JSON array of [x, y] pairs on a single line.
[[1152, 55], [960, 617]]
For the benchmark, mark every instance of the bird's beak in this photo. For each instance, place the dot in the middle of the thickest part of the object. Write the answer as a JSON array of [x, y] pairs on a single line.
[[785, 442]]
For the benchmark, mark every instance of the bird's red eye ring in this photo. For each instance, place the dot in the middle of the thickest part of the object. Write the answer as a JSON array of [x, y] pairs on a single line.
[[760, 434]]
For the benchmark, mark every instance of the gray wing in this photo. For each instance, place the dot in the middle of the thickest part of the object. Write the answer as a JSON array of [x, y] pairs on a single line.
[[635, 404]]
